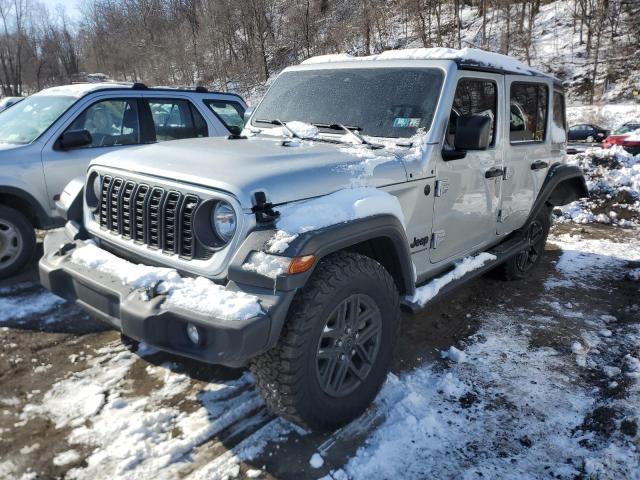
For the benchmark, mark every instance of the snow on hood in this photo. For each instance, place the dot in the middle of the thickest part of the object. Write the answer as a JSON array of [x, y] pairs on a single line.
[[469, 55], [285, 172]]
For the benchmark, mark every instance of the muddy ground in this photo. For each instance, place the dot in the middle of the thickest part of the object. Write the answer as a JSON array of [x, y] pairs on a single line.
[[57, 340]]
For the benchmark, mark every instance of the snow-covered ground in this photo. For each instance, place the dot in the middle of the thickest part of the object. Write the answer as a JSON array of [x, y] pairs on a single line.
[[547, 385], [613, 179]]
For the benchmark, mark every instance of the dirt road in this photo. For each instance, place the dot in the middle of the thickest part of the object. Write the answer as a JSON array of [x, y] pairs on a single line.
[[545, 383]]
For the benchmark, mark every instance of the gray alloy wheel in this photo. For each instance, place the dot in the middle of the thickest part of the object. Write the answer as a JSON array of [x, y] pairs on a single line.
[[11, 244], [348, 345], [17, 240]]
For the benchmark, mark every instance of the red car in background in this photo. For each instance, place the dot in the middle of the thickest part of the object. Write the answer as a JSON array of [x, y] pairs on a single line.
[[627, 136]]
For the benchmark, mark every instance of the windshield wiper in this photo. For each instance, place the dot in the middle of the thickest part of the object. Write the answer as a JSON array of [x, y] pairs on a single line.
[[350, 129], [276, 121]]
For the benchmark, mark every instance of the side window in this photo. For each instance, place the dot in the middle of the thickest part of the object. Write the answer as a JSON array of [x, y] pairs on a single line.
[[110, 122], [528, 109], [231, 114], [559, 123], [174, 119], [473, 97]]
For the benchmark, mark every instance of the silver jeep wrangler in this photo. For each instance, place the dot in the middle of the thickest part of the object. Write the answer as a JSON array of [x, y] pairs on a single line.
[[293, 246]]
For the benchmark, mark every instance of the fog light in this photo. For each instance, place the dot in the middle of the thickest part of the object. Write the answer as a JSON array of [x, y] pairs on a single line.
[[193, 333]]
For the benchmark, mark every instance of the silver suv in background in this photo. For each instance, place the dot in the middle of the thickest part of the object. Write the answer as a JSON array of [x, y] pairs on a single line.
[[49, 138], [357, 182]]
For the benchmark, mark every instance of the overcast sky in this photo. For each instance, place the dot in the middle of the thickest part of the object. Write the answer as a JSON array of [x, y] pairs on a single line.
[[70, 6]]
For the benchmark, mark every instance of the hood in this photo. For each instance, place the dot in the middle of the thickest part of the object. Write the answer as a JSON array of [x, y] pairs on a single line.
[[285, 171], [9, 146]]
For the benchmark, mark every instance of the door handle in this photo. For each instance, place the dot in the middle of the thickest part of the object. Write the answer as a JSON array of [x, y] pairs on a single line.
[[494, 172], [539, 165]]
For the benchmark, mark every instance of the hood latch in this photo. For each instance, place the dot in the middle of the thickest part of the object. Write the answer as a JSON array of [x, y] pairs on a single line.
[[264, 210]]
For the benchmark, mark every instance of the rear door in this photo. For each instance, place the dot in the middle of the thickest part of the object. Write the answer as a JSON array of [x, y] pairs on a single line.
[[528, 149], [468, 189]]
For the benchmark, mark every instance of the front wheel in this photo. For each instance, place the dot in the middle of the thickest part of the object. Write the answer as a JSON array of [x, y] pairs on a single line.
[[589, 139], [535, 235], [336, 346], [17, 241]]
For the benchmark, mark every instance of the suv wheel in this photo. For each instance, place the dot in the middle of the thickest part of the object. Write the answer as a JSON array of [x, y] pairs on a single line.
[[336, 346], [17, 241], [535, 234], [589, 139]]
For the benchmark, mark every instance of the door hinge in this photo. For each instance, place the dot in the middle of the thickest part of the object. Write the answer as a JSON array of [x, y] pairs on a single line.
[[442, 186], [437, 238]]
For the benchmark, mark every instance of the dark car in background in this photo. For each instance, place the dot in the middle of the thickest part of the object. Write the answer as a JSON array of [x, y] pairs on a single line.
[[587, 132]]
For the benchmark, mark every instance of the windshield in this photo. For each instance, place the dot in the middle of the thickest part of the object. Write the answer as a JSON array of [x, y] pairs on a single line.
[[629, 127], [25, 121], [380, 102]]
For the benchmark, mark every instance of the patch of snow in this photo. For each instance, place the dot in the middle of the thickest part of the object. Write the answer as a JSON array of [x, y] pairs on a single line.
[[427, 292], [611, 371], [20, 307], [253, 473], [80, 89], [467, 55], [454, 354], [194, 294], [268, 265], [66, 458], [332, 209], [302, 129], [316, 461]]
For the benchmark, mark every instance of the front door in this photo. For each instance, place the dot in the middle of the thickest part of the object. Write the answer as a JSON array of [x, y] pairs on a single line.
[[468, 189], [528, 150], [112, 123]]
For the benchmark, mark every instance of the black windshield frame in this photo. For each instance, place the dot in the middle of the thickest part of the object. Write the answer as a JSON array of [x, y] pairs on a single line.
[[384, 102]]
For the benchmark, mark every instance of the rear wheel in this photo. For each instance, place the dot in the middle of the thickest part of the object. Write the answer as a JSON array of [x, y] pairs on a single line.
[[535, 235], [336, 347], [589, 139], [17, 241]]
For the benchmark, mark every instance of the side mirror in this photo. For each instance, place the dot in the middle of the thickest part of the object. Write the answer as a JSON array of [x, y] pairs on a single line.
[[473, 132], [74, 139], [234, 129], [247, 114]]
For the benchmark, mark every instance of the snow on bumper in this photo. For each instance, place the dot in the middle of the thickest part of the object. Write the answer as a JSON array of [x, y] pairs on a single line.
[[155, 304]]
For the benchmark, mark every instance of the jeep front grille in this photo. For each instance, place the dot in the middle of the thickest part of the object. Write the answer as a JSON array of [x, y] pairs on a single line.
[[151, 215]]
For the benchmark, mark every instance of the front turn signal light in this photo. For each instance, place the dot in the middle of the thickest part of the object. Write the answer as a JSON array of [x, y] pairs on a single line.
[[301, 264]]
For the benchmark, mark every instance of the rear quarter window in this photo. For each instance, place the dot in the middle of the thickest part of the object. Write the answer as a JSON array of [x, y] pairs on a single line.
[[528, 112], [230, 113]]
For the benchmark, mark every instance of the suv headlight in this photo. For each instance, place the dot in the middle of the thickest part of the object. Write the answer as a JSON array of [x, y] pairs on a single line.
[[224, 221], [93, 191]]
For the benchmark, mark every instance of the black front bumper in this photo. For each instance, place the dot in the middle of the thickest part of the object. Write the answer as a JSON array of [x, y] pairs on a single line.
[[225, 342]]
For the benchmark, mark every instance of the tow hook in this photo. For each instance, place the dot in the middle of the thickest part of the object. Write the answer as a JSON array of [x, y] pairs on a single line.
[[65, 248], [264, 210]]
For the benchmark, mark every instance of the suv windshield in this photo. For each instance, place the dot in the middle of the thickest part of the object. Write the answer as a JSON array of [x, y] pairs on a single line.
[[24, 122], [381, 102]]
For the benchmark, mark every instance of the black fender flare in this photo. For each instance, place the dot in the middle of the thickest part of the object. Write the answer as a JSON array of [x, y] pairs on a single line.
[[43, 220], [563, 184], [384, 228]]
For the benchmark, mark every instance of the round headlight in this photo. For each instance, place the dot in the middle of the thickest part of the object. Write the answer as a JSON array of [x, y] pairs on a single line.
[[224, 221], [93, 189]]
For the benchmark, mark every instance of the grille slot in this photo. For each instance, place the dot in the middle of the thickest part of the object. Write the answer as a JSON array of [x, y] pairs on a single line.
[[149, 215]]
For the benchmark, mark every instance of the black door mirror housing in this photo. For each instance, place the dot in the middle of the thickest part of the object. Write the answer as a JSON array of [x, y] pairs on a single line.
[[473, 132], [74, 139]]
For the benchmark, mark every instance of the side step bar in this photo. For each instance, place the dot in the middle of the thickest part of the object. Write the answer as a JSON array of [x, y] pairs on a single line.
[[502, 251]]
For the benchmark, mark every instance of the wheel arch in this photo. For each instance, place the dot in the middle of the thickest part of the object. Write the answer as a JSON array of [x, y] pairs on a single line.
[[380, 237], [26, 204]]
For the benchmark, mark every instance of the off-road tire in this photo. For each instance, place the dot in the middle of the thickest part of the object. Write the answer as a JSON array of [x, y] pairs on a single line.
[[515, 268], [287, 375], [15, 231]]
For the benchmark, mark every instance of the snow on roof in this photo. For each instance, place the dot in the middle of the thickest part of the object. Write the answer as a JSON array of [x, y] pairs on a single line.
[[471, 56], [80, 89]]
